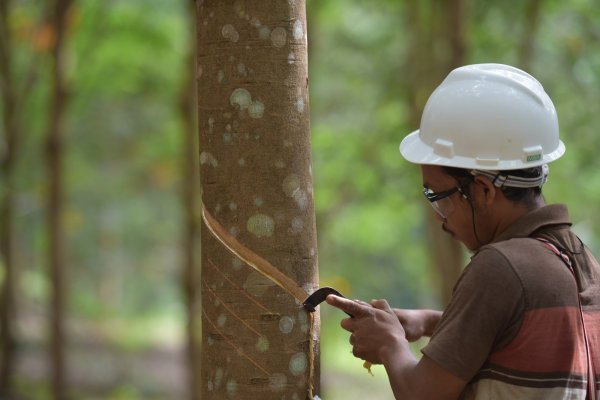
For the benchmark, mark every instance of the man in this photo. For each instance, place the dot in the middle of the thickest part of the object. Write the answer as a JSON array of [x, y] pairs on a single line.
[[524, 318]]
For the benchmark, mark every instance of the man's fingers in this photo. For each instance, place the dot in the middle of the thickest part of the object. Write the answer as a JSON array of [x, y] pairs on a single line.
[[348, 306], [364, 303], [381, 305]]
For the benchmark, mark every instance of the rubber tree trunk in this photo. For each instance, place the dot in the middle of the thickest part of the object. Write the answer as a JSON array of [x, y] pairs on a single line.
[[7, 164], [259, 256], [55, 201]]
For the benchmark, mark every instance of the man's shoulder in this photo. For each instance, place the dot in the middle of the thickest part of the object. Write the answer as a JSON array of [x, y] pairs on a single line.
[[506, 252], [525, 259]]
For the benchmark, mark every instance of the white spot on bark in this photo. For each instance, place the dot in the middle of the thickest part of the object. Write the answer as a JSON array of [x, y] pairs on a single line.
[[220, 76], [258, 201], [255, 22], [230, 33], [297, 225], [241, 162], [208, 158], [234, 231], [239, 8], [298, 364], [298, 30], [221, 320], [291, 58], [291, 184], [286, 324], [256, 109], [227, 137], [277, 381], [240, 98], [279, 37], [279, 164], [291, 187], [231, 386], [241, 68], [211, 124], [262, 344], [199, 71], [303, 320], [233, 206], [218, 377], [261, 225], [300, 105], [210, 386], [264, 32], [301, 199]]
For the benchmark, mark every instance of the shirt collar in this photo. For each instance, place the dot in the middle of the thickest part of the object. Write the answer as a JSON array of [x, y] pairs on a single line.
[[554, 214]]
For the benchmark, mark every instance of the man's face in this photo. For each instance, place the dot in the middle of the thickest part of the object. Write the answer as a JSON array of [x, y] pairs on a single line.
[[453, 211]]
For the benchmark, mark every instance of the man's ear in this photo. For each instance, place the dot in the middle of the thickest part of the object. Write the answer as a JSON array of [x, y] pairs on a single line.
[[486, 190]]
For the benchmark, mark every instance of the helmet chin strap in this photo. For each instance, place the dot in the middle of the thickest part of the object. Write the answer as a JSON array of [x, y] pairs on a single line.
[[473, 221]]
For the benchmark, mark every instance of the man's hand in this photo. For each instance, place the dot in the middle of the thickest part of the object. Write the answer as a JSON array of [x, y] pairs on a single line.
[[375, 329], [418, 323], [378, 337]]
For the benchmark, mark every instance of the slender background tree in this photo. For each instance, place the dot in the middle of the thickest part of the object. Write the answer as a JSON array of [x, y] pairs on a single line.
[[438, 42], [10, 125], [55, 205], [191, 214]]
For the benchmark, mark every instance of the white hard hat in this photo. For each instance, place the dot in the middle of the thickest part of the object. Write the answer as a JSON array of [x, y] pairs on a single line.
[[486, 116]]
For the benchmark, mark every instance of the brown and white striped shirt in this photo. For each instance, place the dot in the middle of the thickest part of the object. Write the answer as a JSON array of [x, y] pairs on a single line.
[[513, 326]]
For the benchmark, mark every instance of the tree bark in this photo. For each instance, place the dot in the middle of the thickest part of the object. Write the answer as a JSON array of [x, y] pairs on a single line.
[[7, 164], [54, 161], [190, 196], [258, 237]]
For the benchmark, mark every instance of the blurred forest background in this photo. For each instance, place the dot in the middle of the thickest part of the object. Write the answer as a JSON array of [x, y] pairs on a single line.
[[93, 141]]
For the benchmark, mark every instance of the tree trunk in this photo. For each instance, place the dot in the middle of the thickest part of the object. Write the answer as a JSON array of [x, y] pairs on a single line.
[[532, 21], [190, 198], [7, 163], [54, 159], [439, 45], [258, 238]]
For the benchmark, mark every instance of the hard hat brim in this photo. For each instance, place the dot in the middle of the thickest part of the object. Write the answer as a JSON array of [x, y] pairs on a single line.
[[414, 150]]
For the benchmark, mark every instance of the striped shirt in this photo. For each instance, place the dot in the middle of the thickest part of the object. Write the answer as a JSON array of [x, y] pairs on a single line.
[[513, 326]]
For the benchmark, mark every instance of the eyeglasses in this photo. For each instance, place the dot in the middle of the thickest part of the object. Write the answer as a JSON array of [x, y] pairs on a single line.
[[440, 201]]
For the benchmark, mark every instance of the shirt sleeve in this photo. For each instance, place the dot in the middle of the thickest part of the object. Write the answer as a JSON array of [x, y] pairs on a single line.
[[484, 314]]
